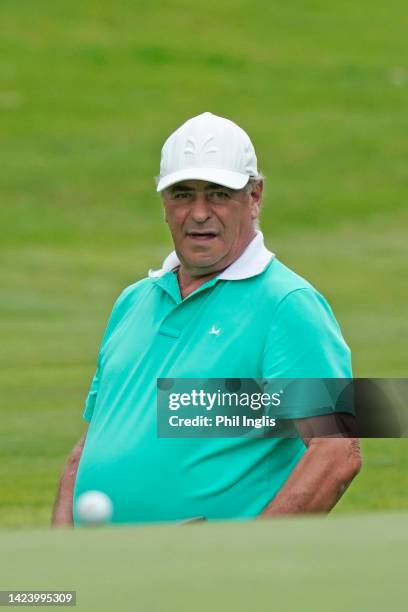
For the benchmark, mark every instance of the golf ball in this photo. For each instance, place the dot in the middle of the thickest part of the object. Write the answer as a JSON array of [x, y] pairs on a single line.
[[94, 508]]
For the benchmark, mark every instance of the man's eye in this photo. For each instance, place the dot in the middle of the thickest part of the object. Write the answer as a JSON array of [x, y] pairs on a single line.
[[182, 195], [219, 195]]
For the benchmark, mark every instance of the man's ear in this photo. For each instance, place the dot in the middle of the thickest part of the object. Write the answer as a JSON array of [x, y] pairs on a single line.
[[164, 208], [256, 199], [257, 192]]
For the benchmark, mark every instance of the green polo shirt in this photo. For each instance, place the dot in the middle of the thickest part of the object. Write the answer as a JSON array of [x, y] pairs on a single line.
[[272, 324]]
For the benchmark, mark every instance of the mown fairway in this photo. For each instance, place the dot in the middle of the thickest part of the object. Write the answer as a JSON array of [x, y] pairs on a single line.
[[89, 91], [312, 564]]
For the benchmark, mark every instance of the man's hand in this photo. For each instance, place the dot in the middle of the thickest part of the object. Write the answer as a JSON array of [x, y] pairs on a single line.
[[319, 479], [62, 515]]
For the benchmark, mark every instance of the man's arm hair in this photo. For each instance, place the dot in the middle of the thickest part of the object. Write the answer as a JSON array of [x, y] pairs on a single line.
[[321, 476], [62, 514]]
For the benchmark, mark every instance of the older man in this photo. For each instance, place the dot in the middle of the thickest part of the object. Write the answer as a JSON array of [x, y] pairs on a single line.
[[221, 306]]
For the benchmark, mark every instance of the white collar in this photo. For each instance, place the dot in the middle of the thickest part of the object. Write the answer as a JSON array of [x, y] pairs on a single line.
[[252, 262]]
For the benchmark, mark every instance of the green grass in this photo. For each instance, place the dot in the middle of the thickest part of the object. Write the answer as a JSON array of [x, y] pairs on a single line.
[[88, 93], [343, 563]]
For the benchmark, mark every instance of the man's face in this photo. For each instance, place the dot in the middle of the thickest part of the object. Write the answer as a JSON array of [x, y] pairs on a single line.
[[211, 225]]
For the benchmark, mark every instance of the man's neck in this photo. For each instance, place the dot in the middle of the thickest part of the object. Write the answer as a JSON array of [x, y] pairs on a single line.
[[188, 284]]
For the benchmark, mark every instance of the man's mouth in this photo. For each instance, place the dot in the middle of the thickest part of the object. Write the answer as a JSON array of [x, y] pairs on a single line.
[[202, 235]]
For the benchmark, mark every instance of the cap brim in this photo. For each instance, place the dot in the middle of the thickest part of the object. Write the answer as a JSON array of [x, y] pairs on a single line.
[[227, 178]]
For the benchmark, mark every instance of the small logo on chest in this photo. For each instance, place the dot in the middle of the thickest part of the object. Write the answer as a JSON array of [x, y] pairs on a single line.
[[215, 331]]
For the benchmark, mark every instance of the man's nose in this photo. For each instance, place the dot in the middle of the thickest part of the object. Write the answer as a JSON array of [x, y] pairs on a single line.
[[200, 210]]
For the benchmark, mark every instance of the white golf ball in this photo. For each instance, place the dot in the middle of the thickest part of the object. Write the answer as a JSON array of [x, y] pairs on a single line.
[[94, 508]]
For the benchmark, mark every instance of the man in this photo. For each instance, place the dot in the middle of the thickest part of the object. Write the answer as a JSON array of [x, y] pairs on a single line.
[[222, 306]]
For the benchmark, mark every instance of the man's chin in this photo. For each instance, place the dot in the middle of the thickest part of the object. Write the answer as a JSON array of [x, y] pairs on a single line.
[[200, 266]]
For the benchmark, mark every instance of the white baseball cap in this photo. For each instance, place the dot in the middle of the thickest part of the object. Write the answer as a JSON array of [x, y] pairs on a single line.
[[208, 148]]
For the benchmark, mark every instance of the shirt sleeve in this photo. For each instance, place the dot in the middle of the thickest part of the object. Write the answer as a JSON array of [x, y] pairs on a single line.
[[305, 342], [91, 398], [114, 319]]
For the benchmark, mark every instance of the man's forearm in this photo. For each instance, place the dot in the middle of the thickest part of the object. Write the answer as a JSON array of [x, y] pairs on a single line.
[[62, 515], [319, 479]]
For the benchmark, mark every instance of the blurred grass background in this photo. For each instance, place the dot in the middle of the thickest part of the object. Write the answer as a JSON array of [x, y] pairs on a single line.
[[88, 93]]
